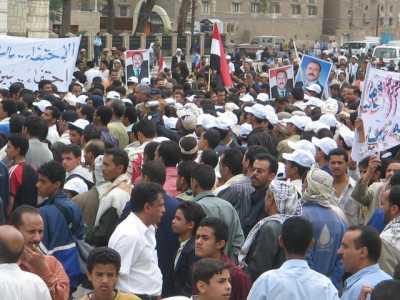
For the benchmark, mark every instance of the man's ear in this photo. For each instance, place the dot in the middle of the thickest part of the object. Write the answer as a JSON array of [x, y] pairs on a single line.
[[201, 287], [221, 244]]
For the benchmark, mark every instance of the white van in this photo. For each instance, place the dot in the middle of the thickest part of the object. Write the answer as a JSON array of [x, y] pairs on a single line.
[[358, 47], [387, 53], [267, 40]]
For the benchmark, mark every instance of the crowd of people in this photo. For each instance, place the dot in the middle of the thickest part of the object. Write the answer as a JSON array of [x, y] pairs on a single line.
[[176, 186]]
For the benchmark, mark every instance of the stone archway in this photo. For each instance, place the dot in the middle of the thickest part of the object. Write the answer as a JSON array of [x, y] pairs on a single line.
[[161, 12]]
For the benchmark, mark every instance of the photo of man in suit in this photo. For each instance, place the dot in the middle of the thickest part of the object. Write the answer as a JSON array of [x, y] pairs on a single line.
[[137, 64], [280, 90], [313, 72]]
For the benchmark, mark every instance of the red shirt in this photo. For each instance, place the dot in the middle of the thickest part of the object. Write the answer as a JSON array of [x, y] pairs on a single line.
[[15, 173]]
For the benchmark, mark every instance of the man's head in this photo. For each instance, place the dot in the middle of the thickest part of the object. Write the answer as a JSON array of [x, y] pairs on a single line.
[[211, 278], [93, 149], [71, 157], [51, 115], [296, 236], [35, 127], [29, 222], [209, 139], [45, 86], [221, 95], [250, 156], [7, 109], [386, 290], [230, 163], [115, 163], [51, 179], [154, 171], [169, 153], [338, 162], [392, 167], [11, 244], [203, 179], [145, 130], [360, 248], [188, 215], [17, 146], [264, 170], [313, 70], [185, 169], [391, 204], [281, 79], [148, 199], [103, 267], [102, 116], [211, 238]]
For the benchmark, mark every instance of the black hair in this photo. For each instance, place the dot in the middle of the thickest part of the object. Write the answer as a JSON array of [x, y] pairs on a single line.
[[204, 176], [91, 132], [150, 150], [103, 256], [315, 62], [394, 195], [72, 148], [395, 179], [386, 290], [213, 137], [42, 83], [118, 108], [219, 227], [232, 159], [96, 147], [185, 169], [209, 157], [131, 114], [35, 126], [16, 216], [69, 116], [88, 112], [297, 234], [155, 171], [55, 112], [253, 151], [145, 192], [120, 157], [188, 143], [206, 268], [169, 153], [273, 163], [16, 88], [9, 107], [16, 123], [364, 162], [20, 142], [339, 152], [105, 114], [300, 169], [146, 127], [53, 171], [369, 238], [192, 212]]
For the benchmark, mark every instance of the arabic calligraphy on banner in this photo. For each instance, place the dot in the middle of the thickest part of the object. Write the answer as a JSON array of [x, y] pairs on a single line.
[[30, 60], [379, 109]]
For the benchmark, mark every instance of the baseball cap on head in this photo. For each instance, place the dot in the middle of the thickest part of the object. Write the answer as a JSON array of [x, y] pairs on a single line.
[[303, 145], [113, 95], [314, 87], [347, 135], [326, 144], [133, 79], [79, 124], [207, 121], [301, 157], [299, 121], [328, 119], [245, 129], [247, 98], [263, 97], [42, 105]]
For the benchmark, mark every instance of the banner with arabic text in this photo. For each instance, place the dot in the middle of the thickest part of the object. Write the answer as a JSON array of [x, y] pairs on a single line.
[[380, 109], [30, 60]]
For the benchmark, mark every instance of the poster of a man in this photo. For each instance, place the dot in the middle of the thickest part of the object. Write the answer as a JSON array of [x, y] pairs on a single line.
[[313, 71], [137, 63], [281, 81]]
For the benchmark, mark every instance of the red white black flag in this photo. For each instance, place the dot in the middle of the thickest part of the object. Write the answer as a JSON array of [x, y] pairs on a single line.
[[217, 58]]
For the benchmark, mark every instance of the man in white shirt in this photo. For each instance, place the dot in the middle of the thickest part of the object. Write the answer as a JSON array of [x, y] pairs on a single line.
[[294, 280], [91, 74], [135, 240], [15, 283], [51, 115]]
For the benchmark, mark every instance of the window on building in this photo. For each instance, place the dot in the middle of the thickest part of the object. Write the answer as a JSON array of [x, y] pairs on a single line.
[[255, 7], [296, 9], [236, 7], [311, 1], [85, 5], [275, 8], [366, 7], [206, 7], [312, 11], [123, 11]]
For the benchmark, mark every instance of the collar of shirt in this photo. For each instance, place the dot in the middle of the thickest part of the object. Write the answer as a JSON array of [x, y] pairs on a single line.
[[294, 263], [203, 195], [357, 276], [142, 228], [350, 186]]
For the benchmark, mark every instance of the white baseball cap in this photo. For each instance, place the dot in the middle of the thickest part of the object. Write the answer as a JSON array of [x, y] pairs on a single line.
[[329, 120], [170, 122], [263, 97], [76, 185], [300, 105], [314, 87], [303, 145], [113, 95], [315, 126], [314, 101], [230, 106], [225, 122], [207, 121], [247, 98], [133, 79], [80, 124], [127, 101], [301, 157], [42, 105], [347, 135], [145, 81], [262, 112], [245, 129], [81, 99], [326, 144], [299, 121]]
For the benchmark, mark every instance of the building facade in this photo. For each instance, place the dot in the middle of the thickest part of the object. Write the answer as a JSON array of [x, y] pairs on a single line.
[[28, 18]]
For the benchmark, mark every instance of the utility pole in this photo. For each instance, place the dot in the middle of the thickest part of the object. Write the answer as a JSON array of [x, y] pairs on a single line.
[[377, 20], [192, 21]]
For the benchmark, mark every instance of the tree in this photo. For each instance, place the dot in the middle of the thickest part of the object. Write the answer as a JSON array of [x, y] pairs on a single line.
[[182, 16], [66, 17], [265, 6], [144, 15]]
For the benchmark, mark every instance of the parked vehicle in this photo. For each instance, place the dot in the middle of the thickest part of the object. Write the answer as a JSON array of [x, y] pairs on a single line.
[[387, 52], [358, 47]]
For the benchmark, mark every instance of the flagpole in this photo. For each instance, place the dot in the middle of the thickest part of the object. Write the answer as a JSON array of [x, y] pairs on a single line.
[[209, 79]]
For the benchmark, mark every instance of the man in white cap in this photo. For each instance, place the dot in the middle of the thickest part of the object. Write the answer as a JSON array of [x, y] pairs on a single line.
[[352, 69], [295, 125], [314, 90], [324, 146], [297, 164]]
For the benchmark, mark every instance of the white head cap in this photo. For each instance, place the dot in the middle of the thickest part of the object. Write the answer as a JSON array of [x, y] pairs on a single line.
[[301, 157]]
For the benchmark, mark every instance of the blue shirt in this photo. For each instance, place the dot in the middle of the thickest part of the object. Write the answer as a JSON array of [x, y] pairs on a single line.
[[294, 280], [370, 276]]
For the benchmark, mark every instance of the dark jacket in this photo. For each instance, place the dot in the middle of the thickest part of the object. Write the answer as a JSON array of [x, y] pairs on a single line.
[[265, 253], [182, 280]]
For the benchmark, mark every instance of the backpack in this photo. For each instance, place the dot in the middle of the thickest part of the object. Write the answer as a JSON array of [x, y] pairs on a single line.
[[87, 182]]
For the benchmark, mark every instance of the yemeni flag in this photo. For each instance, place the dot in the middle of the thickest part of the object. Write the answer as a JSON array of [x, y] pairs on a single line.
[[217, 59]]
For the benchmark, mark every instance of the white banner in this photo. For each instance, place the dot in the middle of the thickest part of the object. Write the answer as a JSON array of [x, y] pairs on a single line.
[[380, 109], [30, 60]]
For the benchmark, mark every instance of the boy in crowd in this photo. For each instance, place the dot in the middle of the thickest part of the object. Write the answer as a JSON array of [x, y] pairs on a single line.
[[103, 268]]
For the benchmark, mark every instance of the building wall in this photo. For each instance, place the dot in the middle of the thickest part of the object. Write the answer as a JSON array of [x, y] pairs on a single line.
[[3, 16]]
